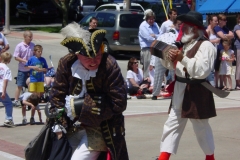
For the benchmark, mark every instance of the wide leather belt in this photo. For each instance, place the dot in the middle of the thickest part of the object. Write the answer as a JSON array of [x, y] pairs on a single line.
[[217, 92], [189, 81]]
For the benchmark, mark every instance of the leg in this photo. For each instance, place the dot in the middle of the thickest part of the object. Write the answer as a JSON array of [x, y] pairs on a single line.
[[204, 135], [17, 92], [146, 62], [216, 78], [33, 111], [172, 131], [8, 107], [229, 81], [39, 115], [24, 110], [158, 77], [82, 152], [221, 81], [224, 78]]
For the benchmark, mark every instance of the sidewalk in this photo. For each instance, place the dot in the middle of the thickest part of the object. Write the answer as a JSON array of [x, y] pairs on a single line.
[[38, 36]]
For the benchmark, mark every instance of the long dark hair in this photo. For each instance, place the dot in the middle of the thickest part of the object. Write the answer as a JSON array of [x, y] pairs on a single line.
[[130, 63]]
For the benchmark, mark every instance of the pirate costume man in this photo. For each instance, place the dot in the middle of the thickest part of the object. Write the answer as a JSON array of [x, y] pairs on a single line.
[[93, 98], [191, 100]]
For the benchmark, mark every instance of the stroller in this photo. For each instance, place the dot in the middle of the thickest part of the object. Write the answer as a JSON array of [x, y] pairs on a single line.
[[49, 75]]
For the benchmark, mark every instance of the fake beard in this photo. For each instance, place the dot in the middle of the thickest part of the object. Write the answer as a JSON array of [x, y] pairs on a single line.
[[187, 37]]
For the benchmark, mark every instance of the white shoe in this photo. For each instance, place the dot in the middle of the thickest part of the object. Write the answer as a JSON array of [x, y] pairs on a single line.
[[9, 123]]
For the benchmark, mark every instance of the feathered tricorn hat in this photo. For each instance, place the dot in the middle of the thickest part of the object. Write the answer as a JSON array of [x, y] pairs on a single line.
[[81, 41]]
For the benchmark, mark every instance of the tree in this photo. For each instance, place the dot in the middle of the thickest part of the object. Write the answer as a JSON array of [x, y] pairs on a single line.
[[63, 5]]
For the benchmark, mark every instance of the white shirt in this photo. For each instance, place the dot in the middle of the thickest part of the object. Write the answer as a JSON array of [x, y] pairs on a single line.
[[166, 26], [5, 73], [138, 78], [25, 96], [198, 67]]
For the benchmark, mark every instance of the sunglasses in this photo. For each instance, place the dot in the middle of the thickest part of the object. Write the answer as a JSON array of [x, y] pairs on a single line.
[[135, 62]]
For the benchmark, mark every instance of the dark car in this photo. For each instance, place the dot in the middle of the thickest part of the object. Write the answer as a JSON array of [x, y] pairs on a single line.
[[37, 10], [2, 20], [75, 10]]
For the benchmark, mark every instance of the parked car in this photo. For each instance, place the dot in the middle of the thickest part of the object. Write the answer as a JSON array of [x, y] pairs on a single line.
[[120, 6], [158, 8], [88, 6], [122, 33], [2, 20], [37, 10]]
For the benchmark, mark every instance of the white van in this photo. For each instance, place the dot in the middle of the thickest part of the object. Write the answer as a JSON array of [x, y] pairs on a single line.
[[120, 6]]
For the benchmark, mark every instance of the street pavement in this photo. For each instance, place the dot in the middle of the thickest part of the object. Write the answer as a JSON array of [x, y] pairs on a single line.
[[144, 119]]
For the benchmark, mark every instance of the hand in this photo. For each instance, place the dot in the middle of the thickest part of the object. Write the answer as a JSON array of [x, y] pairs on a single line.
[[150, 67], [153, 35], [175, 55], [3, 95]]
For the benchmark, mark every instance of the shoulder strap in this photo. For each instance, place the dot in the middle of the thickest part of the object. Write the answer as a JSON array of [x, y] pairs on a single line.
[[191, 53]]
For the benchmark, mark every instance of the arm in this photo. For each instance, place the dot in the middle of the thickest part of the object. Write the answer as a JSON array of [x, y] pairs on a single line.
[[5, 44], [28, 104], [61, 84], [144, 33], [238, 33], [201, 64]]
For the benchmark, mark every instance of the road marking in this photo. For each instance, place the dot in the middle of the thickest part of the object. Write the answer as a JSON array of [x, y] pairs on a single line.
[[10, 156]]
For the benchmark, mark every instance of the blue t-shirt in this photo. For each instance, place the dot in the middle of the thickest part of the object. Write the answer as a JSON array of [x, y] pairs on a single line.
[[36, 76], [225, 30]]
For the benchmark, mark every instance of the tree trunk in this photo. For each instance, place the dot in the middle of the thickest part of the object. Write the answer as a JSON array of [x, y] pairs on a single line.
[[65, 16]]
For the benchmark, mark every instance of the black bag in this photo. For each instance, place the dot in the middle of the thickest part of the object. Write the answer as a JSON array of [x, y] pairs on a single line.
[[39, 147], [61, 148]]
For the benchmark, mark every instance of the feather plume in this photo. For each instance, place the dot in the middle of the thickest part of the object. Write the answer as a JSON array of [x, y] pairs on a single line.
[[74, 30]]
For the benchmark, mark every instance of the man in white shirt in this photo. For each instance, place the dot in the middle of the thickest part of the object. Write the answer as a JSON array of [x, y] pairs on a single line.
[[191, 100], [172, 14]]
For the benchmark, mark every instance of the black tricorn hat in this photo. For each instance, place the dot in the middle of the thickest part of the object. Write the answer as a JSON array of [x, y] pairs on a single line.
[[80, 41], [192, 17]]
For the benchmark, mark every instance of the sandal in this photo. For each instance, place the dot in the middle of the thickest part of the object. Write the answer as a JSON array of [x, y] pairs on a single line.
[[228, 89], [224, 88]]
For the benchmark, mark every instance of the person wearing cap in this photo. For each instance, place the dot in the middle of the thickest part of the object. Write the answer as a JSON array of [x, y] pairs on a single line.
[[167, 25], [89, 85], [190, 100], [148, 32]]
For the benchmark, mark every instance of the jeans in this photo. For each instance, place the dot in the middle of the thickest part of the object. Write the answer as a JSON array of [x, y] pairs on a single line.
[[210, 78], [8, 106]]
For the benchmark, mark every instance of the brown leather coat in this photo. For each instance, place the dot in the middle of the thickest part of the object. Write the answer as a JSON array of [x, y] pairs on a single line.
[[110, 85]]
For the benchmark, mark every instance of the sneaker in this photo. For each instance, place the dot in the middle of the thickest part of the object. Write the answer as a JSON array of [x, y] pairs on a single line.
[[15, 103], [9, 123], [24, 121], [154, 97], [32, 121]]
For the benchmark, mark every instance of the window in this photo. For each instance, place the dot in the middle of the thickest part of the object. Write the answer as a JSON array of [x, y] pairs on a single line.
[[85, 21], [90, 2], [126, 19], [106, 7], [106, 19]]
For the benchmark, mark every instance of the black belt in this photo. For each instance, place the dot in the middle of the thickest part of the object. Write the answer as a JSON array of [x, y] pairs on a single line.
[[189, 81]]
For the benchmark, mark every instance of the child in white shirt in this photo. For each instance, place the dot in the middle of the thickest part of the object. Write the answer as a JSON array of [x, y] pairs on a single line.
[[5, 76]]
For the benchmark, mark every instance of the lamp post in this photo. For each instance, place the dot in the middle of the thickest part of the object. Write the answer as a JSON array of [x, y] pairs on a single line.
[[7, 17]]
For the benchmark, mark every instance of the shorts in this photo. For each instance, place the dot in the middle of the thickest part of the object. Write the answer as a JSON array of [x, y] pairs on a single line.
[[36, 87], [22, 78]]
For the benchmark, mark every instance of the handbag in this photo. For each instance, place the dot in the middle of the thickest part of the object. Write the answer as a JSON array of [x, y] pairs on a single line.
[[39, 147]]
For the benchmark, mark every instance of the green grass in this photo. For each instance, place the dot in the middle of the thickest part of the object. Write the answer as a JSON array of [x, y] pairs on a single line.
[[45, 29]]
